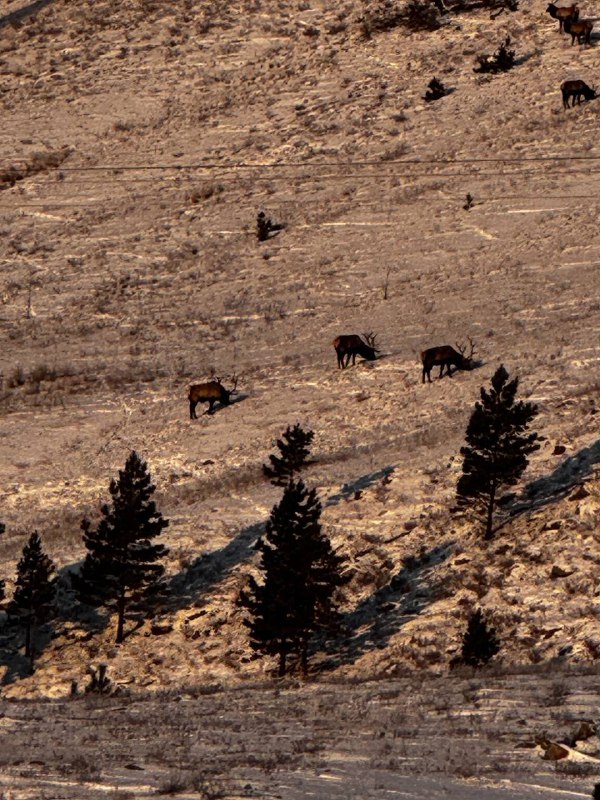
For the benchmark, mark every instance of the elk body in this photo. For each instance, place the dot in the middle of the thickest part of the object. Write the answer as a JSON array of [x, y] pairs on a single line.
[[561, 13], [211, 392], [582, 30], [446, 356], [576, 90], [352, 345]]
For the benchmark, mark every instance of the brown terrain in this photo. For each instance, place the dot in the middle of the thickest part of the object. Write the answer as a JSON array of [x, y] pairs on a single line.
[[139, 141]]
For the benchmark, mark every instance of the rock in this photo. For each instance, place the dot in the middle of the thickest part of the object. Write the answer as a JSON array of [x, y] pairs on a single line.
[[161, 628], [580, 493], [554, 752], [585, 730], [410, 525], [560, 572], [555, 525], [559, 450]]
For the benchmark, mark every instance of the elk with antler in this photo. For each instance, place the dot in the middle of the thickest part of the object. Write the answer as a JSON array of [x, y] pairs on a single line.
[[447, 356], [352, 345], [211, 392]]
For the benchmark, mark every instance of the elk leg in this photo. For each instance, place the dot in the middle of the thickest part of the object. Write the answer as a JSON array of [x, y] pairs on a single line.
[[210, 407], [193, 410]]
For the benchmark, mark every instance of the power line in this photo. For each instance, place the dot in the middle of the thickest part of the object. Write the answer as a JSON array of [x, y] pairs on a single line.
[[323, 164]]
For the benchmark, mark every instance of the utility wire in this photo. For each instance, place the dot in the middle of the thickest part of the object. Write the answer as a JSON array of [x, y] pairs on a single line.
[[316, 165]]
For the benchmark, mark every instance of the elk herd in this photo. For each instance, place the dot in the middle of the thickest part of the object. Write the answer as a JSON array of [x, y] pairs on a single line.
[[346, 347], [569, 22]]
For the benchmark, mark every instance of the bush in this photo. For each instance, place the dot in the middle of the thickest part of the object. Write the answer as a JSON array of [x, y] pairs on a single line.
[[385, 15], [501, 61]]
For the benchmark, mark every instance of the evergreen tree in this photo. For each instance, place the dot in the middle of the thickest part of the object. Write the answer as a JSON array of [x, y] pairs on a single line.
[[294, 447], [596, 792], [121, 566], [480, 643], [495, 455], [2, 584], [35, 591], [301, 573]]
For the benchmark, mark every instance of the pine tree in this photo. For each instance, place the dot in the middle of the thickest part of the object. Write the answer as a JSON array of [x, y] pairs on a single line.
[[480, 643], [35, 591], [294, 447], [121, 566], [2, 584], [495, 455], [596, 792], [301, 573]]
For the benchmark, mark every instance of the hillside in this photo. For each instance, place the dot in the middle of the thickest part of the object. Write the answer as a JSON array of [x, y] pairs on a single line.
[[139, 142]]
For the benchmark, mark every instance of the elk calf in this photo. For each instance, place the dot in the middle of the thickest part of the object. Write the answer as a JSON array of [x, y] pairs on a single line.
[[582, 30], [211, 392], [576, 89], [446, 356], [352, 346], [561, 13]]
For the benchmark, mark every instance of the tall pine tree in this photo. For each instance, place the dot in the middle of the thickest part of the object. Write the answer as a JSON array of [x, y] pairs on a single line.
[[495, 455], [35, 591], [480, 643], [2, 584], [121, 566], [294, 448], [301, 574]]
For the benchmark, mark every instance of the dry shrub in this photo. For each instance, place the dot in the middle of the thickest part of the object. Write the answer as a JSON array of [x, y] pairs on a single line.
[[384, 15], [39, 162]]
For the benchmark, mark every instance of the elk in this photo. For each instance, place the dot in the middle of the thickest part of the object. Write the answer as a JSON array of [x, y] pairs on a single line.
[[353, 345], [211, 392], [446, 356], [582, 30], [561, 13], [576, 89]]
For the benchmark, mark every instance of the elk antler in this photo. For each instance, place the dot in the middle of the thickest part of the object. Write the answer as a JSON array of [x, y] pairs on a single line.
[[218, 380], [235, 382], [462, 349], [370, 339]]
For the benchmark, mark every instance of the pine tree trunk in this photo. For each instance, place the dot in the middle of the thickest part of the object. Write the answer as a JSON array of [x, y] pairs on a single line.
[[304, 658], [489, 533], [120, 617], [281, 670], [28, 638]]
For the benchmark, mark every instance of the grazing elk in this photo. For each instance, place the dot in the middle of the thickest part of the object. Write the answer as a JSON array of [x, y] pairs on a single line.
[[446, 356], [561, 13], [353, 345], [576, 89], [211, 392], [582, 30]]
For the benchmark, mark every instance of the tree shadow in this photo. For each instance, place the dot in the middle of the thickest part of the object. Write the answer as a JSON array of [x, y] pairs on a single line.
[[183, 589], [349, 490], [554, 487], [21, 13], [378, 617], [12, 638]]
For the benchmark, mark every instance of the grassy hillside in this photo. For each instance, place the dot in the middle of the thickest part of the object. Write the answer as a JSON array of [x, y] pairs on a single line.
[[139, 141]]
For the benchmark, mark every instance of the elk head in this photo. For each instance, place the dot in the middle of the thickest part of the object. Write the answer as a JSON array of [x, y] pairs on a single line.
[[468, 362]]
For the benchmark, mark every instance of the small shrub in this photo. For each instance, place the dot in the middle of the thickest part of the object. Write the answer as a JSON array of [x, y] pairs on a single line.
[[421, 15], [501, 61], [435, 91], [385, 15], [294, 448], [480, 643]]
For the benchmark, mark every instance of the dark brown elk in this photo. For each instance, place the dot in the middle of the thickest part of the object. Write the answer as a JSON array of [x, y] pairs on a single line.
[[352, 345], [561, 13], [582, 30], [446, 356], [211, 392], [576, 90]]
